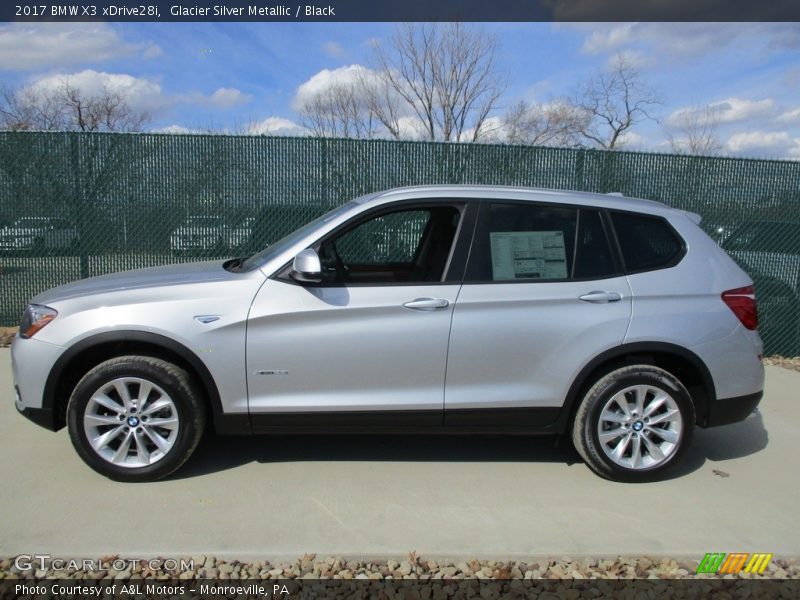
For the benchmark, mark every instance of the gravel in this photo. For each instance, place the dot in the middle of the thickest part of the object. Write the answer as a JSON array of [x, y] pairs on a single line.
[[409, 567], [792, 363], [6, 335]]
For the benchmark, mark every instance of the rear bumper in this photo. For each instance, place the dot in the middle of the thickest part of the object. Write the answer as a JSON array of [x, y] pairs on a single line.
[[732, 410]]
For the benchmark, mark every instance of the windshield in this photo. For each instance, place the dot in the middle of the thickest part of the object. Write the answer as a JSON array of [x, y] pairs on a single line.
[[283, 244]]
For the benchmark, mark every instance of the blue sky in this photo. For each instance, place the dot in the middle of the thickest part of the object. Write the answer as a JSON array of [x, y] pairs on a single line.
[[195, 76]]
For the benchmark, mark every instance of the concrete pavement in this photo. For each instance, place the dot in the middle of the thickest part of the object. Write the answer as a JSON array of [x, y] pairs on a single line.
[[376, 497]]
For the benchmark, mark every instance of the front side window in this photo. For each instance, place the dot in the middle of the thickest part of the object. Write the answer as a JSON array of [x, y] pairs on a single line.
[[402, 246]]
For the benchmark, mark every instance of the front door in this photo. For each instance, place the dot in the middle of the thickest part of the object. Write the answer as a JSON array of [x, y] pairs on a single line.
[[368, 345]]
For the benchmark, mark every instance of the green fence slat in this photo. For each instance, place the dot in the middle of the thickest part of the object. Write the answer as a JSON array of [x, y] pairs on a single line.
[[112, 202]]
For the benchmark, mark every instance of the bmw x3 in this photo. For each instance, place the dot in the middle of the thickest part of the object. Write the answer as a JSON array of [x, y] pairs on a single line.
[[469, 309]]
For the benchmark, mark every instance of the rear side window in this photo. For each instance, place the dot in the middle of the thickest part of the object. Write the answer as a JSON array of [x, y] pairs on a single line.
[[593, 258], [523, 242], [534, 242], [646, 242]]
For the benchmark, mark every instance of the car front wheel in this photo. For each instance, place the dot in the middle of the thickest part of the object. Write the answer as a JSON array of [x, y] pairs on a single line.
[[135, 418], [634, 423]]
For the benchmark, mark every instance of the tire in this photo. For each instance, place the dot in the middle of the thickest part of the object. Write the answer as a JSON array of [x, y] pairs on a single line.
[[127, 443], [601, 411]]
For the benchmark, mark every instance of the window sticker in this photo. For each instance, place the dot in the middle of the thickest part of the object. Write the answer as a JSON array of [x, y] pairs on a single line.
[[528, 255]]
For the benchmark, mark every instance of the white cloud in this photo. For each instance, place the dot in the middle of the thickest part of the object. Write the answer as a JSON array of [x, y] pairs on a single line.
[[410, 128], [777, 142], [730, 110], [228, 98], [175, 129], [789, 115], [140, 93], [609, 39], [631, 58], [630, 140], [323, 80], [688, 39], [494, 130], [152, 51], [27, 46], [333, 49], [277, 126]]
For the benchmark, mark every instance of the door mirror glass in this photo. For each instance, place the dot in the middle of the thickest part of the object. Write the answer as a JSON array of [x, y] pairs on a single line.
[[307, 267]]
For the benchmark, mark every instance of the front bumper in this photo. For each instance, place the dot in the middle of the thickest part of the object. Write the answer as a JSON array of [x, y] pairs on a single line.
[[732, 410], [45, 417], [31, 361]]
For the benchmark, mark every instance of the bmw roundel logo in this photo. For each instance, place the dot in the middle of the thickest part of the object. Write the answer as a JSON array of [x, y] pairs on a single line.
[[133, 421], [638, 426]]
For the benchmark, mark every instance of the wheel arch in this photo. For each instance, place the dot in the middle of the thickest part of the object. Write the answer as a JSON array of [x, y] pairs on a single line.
[[681, 362], [78, 359]]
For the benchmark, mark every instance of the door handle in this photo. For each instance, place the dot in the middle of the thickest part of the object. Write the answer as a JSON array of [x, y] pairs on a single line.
[[427, 304], [601, 297]]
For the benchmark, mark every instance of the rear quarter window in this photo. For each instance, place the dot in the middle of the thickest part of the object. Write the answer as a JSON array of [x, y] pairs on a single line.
[[646, 242]]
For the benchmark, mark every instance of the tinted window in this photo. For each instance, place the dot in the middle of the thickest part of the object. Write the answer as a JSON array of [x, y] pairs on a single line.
[[538, 242], [646, 242], [404, 246], [593, 258], [523, 242], [393, 238]]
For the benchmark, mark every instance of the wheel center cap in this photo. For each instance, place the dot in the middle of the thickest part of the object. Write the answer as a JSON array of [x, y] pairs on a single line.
[[133, 421], [637, 426]]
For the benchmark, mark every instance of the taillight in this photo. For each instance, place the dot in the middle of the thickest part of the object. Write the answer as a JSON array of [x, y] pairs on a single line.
[[742, 301]]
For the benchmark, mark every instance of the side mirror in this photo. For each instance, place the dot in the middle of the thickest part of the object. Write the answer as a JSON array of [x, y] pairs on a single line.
[[306, 267]]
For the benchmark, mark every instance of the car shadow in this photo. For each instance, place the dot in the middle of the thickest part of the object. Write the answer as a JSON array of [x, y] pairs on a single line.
[[221, 453], [728, 442]]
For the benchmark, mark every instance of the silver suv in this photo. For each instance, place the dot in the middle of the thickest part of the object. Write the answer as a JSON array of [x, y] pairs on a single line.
[[427, 309]]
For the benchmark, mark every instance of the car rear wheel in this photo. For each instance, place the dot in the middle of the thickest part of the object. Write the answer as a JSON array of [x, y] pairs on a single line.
[[634, 423], [135, 418]]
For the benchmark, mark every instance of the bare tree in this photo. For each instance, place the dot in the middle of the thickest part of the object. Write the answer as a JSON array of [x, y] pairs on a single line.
[[68, 108], [694, 131], [26, 108], [445, 75], [340, 110], [614, 101], [557, 123]]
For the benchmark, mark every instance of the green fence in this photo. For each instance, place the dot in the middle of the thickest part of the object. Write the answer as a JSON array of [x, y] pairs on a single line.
[[77, 205]]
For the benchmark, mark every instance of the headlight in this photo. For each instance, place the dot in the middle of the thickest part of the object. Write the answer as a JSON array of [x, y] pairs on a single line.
[[34, 318]]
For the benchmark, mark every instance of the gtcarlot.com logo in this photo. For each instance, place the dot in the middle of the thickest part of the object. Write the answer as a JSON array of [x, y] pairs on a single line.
[[27, 562], [723, 564]]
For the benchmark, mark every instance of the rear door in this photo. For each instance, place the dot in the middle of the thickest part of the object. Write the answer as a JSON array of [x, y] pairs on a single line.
[[543, 294]]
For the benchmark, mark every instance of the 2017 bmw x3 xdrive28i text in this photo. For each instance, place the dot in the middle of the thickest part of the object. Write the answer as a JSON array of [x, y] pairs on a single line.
[[444, 308]]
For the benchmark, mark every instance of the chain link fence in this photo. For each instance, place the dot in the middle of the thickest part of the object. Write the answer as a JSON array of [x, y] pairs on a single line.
[[76, 205]]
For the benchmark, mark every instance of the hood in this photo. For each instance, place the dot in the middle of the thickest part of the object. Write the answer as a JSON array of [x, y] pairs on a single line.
[[169, 275]]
